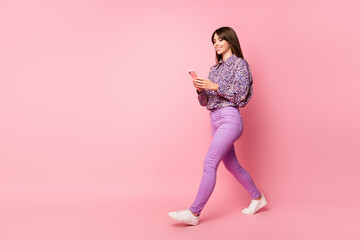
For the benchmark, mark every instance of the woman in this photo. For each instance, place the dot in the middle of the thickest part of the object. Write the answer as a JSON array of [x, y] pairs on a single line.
[[228, 87]]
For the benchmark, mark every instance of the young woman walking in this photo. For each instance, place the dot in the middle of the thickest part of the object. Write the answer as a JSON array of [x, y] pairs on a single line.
[[228, 87]]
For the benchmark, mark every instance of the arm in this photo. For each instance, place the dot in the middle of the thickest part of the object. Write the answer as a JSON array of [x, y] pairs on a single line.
[[202, 97], [237, 89]]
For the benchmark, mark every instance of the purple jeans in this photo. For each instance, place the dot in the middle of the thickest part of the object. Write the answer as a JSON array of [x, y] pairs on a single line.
[[226, 128]]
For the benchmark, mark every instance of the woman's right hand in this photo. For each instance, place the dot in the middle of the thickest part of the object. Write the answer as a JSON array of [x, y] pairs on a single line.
[[199, 89]]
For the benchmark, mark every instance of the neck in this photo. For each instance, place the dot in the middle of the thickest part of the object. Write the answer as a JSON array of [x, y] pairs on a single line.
[[227, 55]]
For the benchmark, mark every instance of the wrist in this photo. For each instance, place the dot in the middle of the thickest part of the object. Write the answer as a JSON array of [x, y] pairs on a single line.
[[216, 87]]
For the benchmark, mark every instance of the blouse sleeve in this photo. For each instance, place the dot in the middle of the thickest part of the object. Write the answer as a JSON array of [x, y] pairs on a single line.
[[202, 97], [238, 90]]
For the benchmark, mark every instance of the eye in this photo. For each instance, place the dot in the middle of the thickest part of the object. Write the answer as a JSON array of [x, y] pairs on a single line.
[[219, 40]]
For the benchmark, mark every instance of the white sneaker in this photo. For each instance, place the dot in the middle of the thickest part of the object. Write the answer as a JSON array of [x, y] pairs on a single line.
[[255, 205], [185, 216]]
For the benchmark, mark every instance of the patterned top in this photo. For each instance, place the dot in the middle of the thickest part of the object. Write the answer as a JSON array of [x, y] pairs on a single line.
[[235, 84]]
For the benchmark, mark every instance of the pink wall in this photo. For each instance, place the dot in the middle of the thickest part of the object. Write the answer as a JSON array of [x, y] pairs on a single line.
[[96, 102]]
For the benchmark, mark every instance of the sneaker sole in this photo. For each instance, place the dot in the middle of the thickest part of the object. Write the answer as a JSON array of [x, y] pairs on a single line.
[[192, 223]]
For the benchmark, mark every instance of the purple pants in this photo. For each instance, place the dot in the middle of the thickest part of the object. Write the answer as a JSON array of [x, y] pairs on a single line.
[[226, 128]]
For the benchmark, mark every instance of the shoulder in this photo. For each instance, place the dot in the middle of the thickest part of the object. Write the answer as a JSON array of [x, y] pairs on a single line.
[[212, 67], [241, 62], [243, 65]]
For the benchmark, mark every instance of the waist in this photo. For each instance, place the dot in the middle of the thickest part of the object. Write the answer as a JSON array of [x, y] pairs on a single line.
[[224, 109]]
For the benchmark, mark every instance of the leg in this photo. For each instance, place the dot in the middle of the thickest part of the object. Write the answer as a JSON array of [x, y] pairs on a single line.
[[232, 164], [223, 138]]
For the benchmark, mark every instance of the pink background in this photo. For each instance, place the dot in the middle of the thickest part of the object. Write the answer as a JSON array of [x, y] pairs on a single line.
[[102, 133]]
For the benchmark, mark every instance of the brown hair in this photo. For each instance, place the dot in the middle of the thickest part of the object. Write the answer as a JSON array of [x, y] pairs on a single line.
[[228, 34]]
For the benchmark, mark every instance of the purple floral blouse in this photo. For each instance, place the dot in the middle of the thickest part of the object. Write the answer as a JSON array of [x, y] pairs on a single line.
[[235, 84]]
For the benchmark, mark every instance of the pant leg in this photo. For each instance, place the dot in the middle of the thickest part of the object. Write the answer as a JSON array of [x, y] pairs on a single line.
[[225, 134], [232, 164]]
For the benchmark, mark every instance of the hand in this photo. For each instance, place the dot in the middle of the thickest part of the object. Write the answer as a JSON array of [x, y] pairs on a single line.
[[204, 83], [199, 89]]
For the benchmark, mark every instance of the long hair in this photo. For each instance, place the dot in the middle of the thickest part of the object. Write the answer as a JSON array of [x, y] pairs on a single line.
[[228, 34]]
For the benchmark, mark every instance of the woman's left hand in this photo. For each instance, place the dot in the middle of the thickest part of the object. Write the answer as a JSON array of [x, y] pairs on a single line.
[[205, 83]]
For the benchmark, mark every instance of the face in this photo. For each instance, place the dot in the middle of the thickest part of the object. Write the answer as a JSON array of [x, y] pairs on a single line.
[[221, 46]]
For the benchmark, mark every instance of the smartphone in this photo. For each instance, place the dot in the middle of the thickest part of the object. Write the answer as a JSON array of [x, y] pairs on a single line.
[[192, 73]]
